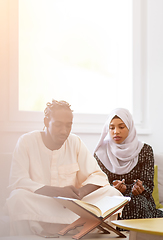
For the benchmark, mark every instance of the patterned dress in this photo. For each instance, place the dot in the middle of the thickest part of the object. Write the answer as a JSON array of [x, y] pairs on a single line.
[[142, 205]]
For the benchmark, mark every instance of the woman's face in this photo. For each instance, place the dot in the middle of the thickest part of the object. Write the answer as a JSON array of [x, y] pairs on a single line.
[[118, 130]]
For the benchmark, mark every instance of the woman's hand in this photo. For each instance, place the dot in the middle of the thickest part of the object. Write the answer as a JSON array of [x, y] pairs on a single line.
[[120, 185], [138, 187]]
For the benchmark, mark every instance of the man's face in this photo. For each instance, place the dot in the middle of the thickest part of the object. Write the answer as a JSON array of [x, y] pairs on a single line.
[[59, 127]]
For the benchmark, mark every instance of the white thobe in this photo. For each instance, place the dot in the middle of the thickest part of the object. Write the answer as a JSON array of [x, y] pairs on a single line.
[[34, 166]]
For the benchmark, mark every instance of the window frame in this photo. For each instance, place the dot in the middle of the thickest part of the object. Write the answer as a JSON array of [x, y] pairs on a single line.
[[83, 123]]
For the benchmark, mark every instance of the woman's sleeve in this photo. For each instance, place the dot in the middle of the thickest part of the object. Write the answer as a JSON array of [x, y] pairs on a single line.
[[147, 171]]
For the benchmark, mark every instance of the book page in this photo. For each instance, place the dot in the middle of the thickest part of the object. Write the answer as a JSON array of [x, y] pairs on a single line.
[[99, 208], [88, 206], [110, 202]]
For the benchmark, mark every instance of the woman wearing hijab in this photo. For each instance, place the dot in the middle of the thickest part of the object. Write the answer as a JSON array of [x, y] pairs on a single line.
[[129, 164]]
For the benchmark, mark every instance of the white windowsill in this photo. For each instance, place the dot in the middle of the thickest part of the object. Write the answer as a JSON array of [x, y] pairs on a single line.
[[81, 128]]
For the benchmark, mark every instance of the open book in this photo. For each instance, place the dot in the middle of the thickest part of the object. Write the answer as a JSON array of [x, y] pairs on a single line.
[[101, 209], [92, 215]]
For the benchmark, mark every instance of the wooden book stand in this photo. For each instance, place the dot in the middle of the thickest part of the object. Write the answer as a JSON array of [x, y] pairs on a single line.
[[87, 219], [88, 225]]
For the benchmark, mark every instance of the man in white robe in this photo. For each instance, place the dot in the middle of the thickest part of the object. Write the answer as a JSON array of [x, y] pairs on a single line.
[[51, 163]]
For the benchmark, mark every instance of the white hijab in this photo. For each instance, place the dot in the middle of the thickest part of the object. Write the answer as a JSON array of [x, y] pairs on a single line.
[[119, 158]]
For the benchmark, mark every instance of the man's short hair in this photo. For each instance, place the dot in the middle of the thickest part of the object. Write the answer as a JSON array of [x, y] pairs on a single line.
[[55, 105]]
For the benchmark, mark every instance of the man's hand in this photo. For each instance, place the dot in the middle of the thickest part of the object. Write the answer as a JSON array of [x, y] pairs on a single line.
[[120, 185], [138, 187], [68, 191], [85, 190]]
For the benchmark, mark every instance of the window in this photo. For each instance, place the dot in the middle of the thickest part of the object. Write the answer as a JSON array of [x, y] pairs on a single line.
[[80, 51]]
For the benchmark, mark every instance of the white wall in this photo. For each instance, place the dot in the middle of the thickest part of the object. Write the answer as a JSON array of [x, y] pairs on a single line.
[[154, 56], [155, 73]]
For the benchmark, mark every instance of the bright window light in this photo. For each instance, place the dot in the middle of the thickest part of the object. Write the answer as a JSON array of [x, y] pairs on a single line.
[[77, 50]]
